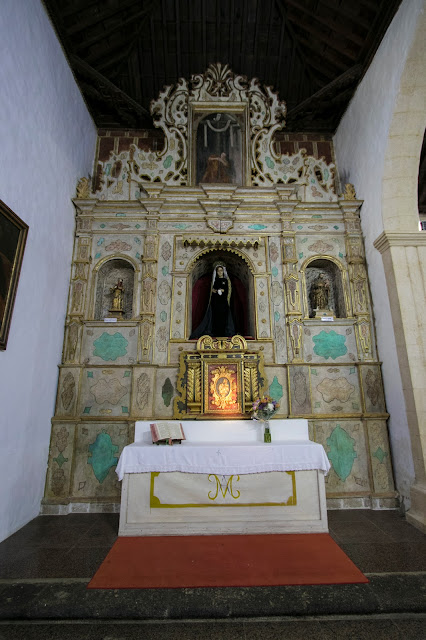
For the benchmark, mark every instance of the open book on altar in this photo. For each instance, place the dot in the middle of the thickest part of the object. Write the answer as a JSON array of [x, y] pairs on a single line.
[[167, 432]]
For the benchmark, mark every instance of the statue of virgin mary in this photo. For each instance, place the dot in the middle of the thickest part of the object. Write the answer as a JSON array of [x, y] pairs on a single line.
[[217, 321]]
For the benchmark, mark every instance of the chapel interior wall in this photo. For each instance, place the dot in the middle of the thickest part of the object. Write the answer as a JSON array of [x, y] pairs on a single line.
[[48, 140], [378, 148]]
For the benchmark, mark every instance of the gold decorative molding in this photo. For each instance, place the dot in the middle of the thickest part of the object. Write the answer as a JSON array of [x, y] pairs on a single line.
[[220, 379], [222, 243]]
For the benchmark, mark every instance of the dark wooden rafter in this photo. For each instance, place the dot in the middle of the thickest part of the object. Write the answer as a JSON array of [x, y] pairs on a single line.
[[331, 24], [296, 48], [92, 20], [108, 87], [349, 11], [334, 44], [341, 83], [129, 46], [307, 50], [102, 35]]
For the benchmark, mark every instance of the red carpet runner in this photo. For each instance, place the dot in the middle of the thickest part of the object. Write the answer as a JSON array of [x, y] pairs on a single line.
[[225, 561]]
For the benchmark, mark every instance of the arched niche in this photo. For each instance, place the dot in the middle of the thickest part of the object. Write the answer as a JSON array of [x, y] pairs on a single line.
[[109, 273], [333, 275], [242, 299]]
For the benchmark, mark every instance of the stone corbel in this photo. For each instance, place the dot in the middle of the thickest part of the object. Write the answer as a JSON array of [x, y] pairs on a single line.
[[84, 206]]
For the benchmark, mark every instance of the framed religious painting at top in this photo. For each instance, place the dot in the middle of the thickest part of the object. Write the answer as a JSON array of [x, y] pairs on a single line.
[[219, 146], [13, 235]]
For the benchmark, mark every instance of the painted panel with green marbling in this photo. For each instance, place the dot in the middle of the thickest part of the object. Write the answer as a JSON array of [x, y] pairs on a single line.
[[342, 452], [110, 347], [97, 450], [276, 390], [103, 345], [345, 444], [329, 344], [276, 387], [102, 456], [167, 392], [165, 389]]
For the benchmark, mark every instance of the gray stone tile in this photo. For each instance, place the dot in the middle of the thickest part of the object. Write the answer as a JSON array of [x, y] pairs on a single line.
[[397, 593], [347, 515], [169, 631], [283, 630], [365, 532], [54, 563], [15, 599], [386, 558], [412, 629], [36, 631], [360, 629]]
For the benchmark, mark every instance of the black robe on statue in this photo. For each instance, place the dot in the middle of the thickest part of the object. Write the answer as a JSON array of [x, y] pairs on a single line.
[[217, 321]]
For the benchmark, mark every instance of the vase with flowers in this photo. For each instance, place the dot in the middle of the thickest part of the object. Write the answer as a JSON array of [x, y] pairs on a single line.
[[263, 409]]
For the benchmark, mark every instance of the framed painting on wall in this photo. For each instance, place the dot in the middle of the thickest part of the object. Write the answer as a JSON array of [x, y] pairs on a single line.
[[219, 145], [13, 235]]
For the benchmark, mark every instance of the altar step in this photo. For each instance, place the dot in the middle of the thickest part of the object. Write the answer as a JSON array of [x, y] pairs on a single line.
[[401, 627], [46, 566]]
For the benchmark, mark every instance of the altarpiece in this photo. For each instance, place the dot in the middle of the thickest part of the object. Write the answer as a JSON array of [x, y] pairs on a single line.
[[149, 228]]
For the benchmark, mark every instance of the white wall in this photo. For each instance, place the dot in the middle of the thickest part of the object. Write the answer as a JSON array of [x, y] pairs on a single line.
[[360, 145], [47, 143]]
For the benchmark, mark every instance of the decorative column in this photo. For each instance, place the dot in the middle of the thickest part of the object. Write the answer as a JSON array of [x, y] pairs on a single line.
[[350, 207], [149, 281], [79, 277], [291, 282]]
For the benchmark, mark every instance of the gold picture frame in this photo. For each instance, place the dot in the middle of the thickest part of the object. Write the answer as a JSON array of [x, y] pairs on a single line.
[[13, 236], [224, 164]]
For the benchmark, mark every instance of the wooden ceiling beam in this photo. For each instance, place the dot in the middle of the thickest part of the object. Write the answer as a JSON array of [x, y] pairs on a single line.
[[74, 7], [334, 61], [329, 40], [326, 93], [164, 38], [87, 71], [280, 52], [331, 24], [294, 39], [102, 35], [149, 4], [104, 15], [351, 15], [178, 46]]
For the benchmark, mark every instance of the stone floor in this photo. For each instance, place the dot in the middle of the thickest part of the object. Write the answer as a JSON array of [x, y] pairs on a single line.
[[45, 567]]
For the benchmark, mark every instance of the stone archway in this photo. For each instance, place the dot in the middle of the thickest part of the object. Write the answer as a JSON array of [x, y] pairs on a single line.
[[403, 249]]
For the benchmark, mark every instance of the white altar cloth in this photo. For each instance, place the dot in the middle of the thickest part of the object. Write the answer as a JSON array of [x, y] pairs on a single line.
[[223, 458]]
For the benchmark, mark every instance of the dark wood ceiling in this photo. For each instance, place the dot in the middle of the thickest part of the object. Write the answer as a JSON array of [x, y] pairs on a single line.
[[312, 52]]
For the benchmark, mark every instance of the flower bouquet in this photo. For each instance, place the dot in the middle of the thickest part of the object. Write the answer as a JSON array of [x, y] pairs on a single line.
[[263, 409]]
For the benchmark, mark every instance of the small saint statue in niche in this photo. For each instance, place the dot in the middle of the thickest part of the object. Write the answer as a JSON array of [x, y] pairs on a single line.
[[319, 296], [117, 291], [217, 321]]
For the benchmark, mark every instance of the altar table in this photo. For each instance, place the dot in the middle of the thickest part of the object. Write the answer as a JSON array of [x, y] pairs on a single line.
[[223, 479]]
